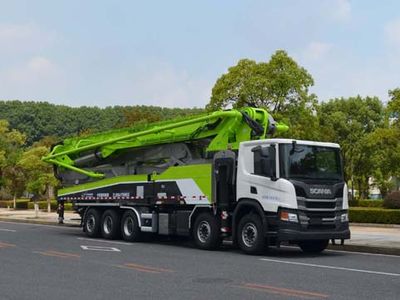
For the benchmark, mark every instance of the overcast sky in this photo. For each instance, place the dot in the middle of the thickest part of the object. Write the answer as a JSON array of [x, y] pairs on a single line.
[[170, 53]]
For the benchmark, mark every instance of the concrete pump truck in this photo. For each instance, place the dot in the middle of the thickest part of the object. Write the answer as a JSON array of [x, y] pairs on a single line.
[[211, 177]]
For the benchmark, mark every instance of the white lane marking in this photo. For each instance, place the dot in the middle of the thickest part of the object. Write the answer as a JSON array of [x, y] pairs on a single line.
[[363, 253], [329, 267], [104, 241], [99, 248], [351, 252], [8, 230]]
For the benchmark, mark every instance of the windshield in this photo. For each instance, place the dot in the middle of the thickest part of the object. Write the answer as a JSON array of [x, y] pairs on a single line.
[[310, 162]]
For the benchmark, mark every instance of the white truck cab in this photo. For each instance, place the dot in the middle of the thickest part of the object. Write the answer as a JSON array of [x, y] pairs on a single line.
[[299, 186]]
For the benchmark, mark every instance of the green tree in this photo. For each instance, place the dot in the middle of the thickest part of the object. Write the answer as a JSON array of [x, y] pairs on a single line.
[[384, 145], [41, 180], [11, 176], [394, 105], [279, 85], [348, 122]]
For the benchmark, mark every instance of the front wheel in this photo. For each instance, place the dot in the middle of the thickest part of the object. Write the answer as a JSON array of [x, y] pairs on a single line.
[[206, 232], [250, 233], [313, 246]]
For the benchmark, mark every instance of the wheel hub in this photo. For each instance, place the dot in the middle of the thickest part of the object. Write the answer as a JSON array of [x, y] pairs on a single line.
[[203, 231], [108, 224], [249, 234], [90, 223], [128, 227]]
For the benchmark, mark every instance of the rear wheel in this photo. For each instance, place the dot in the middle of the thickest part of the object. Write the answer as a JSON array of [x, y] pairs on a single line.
[[206, 232], [130, 229], [110, 224], [92, 222], [250, 233], [313, 246]]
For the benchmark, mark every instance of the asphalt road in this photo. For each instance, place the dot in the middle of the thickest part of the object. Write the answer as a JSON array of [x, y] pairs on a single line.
[[51, 262]]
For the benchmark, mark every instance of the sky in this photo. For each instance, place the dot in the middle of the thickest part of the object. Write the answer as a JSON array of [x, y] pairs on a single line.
[[170, 53]]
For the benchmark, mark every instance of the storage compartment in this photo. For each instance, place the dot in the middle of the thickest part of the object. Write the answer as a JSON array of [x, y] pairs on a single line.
[[175, 223], [166, 224], [182, 222]]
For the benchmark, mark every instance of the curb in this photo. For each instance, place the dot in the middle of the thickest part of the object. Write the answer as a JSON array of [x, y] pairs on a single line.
[[38, 221], [375, 225], [366, 249]]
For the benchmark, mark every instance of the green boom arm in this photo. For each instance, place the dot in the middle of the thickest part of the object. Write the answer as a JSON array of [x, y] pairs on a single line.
[[226, 129]]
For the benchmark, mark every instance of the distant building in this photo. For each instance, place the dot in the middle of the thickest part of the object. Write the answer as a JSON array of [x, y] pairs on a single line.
[[375, 193]]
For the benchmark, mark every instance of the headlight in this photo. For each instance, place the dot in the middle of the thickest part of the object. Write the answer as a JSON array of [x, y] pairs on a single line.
[[344, 217], [289, 217]]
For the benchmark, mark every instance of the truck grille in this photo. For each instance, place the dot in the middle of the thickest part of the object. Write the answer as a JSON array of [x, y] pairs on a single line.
[[319, 214], [319, 204], [331, 204]]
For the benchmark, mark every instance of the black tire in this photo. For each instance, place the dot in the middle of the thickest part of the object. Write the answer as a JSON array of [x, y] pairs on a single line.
[[111, 224], [250, 234], [130, 229], [92, 223], [313, 246], [206, 232]]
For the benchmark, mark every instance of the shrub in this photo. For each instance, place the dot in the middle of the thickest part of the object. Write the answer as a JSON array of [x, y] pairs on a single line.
[[374, 215], [353, 203], [6, 203], [21, 204], [43, 205], [366, 203], [392, 200]]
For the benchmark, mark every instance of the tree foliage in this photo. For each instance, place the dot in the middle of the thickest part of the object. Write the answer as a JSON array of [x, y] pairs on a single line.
[[11, 176], [39, 174], [394, 105], [38, 120], [384, 147], [348, 122], [279, 85]]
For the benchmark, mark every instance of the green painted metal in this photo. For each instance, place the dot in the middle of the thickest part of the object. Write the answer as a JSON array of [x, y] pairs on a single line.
[[226, 129], [79, 170], [101, 183], [201, 174]]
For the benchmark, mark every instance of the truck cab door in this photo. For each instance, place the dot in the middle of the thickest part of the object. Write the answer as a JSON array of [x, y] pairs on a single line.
[[263, 184]]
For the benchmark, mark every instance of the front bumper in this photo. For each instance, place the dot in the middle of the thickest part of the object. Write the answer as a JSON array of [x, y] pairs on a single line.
[[313, 226], [297, 235]]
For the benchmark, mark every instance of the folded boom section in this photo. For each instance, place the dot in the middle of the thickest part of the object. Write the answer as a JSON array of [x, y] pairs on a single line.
[[153, 149]]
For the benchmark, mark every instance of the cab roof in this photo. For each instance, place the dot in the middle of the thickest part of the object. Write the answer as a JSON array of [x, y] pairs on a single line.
[[290, 141]]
